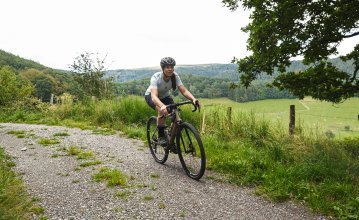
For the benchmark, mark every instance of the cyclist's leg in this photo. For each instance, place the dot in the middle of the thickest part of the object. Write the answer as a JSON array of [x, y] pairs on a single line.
[[161, 123]]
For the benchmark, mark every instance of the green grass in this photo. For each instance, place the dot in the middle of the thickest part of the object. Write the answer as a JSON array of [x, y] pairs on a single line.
[[112, 176], [155, 175], [15, 203], [61, 134], [47, 141], [253, 148], [148, 198], [17, 133], [90, 163], [341, 119], [80, 153], [123, 194]]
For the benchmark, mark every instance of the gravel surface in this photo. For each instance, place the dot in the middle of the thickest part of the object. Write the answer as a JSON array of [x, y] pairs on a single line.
[[67, 191]]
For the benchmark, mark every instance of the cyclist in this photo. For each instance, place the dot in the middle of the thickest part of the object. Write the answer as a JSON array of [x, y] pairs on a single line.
[[157, 94]]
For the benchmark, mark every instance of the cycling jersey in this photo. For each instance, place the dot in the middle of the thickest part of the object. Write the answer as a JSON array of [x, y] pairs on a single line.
[[162, 86]]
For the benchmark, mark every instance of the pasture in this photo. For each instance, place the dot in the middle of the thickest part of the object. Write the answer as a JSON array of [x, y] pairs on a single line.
[[312, 115]]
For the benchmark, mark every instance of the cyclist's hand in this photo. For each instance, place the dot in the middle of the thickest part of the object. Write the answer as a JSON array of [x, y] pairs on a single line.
[[196, 103], [163, 110]]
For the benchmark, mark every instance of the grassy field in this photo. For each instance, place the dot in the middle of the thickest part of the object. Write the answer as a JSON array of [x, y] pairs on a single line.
[[339, 119]]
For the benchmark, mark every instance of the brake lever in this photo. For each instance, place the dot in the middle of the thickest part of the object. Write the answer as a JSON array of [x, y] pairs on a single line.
[[196, 107]]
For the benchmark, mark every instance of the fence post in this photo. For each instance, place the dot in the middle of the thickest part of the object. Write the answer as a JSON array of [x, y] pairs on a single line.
[[52, 99], [291, 119], [229, 114], [203, 122]]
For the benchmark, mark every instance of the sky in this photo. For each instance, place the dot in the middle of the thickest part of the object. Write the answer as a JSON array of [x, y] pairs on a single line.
[[127, 33]]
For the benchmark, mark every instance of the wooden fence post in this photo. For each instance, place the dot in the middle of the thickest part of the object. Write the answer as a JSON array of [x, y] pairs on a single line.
[[52, 99], [229, 114], [203, 122], [291, 120]]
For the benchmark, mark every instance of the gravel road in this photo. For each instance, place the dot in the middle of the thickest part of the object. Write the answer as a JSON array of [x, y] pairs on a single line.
[[67, 191]]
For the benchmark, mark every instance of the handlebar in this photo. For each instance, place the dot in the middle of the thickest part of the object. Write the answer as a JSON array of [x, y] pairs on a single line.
[[174, 105]]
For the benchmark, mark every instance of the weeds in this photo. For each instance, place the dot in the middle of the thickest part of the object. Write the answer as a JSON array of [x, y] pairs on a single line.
[[123, 194], [61, 134], [90, 163], [148, 198], [47, 141], [15, 202], [155, 175], [112, 176], [17, 133], [80, 153]]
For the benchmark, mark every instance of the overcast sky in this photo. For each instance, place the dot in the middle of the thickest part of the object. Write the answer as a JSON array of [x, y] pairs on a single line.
[[131, 33]]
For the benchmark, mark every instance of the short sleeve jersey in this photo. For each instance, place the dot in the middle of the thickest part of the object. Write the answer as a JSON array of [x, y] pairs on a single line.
[[162, 86]]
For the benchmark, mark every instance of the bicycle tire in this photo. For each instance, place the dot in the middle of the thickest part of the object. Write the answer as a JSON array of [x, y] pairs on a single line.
[[159, 153], [190, 151]]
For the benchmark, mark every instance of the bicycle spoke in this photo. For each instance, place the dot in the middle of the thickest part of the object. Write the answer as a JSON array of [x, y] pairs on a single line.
[[191, 151], [159, 153]]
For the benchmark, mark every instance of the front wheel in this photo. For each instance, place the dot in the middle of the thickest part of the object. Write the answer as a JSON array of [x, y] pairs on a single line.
[[191, 151], [159, 153]]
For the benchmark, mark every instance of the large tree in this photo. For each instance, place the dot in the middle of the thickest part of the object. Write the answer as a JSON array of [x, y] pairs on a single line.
[[12, 88], [281, 30]]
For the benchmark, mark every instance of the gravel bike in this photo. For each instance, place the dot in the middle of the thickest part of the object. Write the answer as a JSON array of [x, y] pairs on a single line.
[[182, 138]]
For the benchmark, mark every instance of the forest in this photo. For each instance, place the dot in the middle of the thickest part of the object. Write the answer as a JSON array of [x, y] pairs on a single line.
[[203, 80]]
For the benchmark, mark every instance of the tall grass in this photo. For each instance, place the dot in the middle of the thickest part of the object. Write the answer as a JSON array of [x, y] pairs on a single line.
[[250, 150], [14, 202]]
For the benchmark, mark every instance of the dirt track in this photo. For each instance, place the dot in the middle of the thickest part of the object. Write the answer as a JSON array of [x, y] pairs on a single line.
[[67, 191]]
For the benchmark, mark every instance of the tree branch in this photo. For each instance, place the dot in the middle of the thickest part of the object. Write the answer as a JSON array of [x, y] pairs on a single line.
[[355, 74], [352, 35]]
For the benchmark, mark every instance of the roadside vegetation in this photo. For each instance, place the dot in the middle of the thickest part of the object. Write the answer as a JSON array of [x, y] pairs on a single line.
[[248, 149], [15, 203]]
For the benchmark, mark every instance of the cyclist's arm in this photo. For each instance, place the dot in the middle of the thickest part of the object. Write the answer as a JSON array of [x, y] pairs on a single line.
[[159, 105], [186, 93]]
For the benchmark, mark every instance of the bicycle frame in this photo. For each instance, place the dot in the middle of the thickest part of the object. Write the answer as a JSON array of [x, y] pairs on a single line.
[[177, 119], [174, 126]]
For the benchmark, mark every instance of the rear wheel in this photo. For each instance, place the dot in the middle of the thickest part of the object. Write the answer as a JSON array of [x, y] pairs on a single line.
[[191, 151], [159, 153]]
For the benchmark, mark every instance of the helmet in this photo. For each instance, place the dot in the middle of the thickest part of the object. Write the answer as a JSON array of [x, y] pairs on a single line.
[[168, 61]]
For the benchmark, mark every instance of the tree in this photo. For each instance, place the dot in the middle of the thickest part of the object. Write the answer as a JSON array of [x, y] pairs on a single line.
[[12, 88], [44, 84], [313, 29], [89, 73]]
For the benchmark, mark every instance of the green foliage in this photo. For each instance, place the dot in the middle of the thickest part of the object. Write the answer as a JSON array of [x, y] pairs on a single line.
[[61, 134], [207, 87], [90, 163], [12, 88], [219, 71], [112, 176], [16, 62], [251, 150], [47, 141], [15, 202], [89, 74], [44, 80], [80, 153], [312, 29], [44, 84]]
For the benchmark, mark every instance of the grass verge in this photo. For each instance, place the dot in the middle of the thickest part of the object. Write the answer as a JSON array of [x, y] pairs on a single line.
[[14, 201]]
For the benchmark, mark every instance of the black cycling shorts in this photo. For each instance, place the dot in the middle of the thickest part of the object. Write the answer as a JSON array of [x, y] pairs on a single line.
[[167, 100]]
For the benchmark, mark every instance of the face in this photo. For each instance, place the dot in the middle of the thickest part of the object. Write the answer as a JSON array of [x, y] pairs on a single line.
[[168, 70]]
